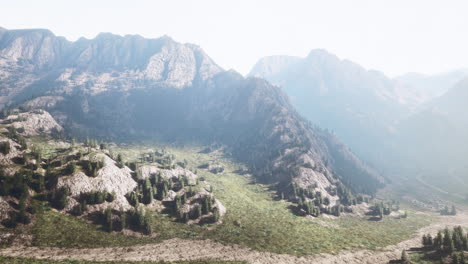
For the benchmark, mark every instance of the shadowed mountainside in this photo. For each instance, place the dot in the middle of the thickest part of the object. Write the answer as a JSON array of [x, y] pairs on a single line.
[[128, 88]]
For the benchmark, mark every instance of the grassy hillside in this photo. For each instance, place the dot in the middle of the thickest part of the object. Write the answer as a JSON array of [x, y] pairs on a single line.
[[254, 219]]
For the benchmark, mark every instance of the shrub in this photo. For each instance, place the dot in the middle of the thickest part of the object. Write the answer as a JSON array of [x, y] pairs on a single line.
[[59, 198], [5, 147]]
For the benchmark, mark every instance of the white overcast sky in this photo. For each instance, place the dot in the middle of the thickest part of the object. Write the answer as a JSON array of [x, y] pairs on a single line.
[[394, 36]]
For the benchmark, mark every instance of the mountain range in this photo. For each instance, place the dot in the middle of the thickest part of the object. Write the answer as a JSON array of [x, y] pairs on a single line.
[[411, 125], [125, 88]]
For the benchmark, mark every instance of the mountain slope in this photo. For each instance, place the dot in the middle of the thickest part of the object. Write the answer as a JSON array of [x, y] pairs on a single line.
[[424, 88], [412, 126], [360, 106], [438, 134], [132, 88]]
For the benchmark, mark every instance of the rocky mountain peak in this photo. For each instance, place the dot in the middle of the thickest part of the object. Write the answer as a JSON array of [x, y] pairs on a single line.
[[322, 53], [271, 65], [105, 62], [39, 47], [129, 87]]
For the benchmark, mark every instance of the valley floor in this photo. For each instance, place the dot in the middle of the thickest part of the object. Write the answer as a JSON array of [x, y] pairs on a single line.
[[184, 249], [256, 229]]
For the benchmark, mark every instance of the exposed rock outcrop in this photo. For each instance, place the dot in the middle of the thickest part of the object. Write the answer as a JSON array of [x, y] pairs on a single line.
[[147, 170], [110, 178], [35, 122]]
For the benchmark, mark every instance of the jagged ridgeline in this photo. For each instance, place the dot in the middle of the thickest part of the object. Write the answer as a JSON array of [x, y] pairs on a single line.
[[89, 180], [130, 88]]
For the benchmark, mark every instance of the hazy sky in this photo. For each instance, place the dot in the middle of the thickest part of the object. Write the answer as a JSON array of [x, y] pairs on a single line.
[[394, 36]]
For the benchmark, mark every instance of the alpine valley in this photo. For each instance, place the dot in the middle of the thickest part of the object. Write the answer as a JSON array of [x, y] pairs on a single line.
[[123, 149]]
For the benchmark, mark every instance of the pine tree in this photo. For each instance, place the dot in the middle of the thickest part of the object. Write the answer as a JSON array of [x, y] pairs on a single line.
[[178, 203], [148, 224], [22, 217], [457, 237], [206, 205], [41, 186], [62, 196], [438, 241], [123, 220], [216, 215], [405, 215], [141, 216], [430, 242], [199, 211], [77, 210], [83, 206], [71, 168], [108, 220], [451, 247], [454, 210], [447, 242], [465, 243], [5, 147], [185, 217], [462, 258], [404, 257], [455, 258], [147, 192], [111, 197], [120, 161], [445, 211]]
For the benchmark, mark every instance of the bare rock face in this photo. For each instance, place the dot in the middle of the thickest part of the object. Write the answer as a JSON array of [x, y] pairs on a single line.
[[221, 208], [15, 151], [39, 46], [104, 63], [175, 173], [270, 66], [193, 202], [35, 122], [110, 178], [43, 102], [180, 69]]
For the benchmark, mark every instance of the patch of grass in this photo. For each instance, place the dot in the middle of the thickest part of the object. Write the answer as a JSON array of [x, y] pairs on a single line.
[[419, 258], [56, 230], [16, 260], [48, 150], [268, 225], [256, 220]]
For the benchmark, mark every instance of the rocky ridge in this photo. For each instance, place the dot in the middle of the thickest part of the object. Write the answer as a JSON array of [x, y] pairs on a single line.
[[130, 87]]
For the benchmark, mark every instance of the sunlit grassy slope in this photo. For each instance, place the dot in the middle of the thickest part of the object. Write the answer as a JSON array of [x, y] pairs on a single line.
[[254, 219]]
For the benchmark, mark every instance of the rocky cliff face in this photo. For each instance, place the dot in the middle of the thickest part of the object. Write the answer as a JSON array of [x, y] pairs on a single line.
[[36, 62], [131, 87]]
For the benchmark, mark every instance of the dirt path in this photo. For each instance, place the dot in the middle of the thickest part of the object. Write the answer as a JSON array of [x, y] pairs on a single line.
[[180, 249]]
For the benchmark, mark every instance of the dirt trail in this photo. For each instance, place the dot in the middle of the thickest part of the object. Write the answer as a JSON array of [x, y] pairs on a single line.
[[180, 249]]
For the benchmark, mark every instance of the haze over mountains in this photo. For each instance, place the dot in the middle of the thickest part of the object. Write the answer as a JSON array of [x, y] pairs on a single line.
[[411, 125], [131, 87], [127, 88], [359, 105]]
